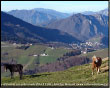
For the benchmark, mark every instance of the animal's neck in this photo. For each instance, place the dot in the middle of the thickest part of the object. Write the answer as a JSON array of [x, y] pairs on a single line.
[[8, 67], [96, 60]]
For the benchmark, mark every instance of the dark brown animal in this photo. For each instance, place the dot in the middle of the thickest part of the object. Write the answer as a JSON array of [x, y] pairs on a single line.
[[14, 68], [96, 63]]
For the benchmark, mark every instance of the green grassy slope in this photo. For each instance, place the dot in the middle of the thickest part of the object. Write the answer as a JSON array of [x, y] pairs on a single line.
[[99, 53], [78, 75], [53, 55], [22, 56]]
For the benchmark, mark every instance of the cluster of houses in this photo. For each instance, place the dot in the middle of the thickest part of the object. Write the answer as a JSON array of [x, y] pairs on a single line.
[[35, 55], [93, 44], [86, 47], [28, 44]]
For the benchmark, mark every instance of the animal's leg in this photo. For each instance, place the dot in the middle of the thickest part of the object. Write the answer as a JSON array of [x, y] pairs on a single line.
[[92, 71], [97, 70], [20, 73], [5, 69], [12, 73]]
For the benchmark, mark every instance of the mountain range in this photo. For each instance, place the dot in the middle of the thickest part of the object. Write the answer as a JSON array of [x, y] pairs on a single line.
[[38, 16], [43, 17], [83, 26], [15, 30], [80, 26], [103, 12]]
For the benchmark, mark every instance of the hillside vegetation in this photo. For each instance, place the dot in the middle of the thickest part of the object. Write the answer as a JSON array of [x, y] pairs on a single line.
[[73, 76], [99, 53]]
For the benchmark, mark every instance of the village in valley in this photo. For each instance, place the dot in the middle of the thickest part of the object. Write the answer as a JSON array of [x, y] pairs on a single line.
[[83, 47]]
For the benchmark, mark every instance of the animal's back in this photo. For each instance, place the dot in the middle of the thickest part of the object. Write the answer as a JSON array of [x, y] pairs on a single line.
[[21, 66], [17, 67]]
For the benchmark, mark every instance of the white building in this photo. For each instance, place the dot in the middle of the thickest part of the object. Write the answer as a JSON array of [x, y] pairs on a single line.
[[83, 52], [35, 55], [14, 43], [43, 54], [30, 44]]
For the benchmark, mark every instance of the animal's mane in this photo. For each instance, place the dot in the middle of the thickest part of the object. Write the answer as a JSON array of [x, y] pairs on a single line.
[[94, 57], [6, 64]]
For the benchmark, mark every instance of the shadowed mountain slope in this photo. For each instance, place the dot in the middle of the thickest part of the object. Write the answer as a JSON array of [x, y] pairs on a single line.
[[14, 29]]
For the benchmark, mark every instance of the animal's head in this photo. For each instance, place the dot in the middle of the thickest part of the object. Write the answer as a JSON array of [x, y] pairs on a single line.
[[5, 67], [94, 58]]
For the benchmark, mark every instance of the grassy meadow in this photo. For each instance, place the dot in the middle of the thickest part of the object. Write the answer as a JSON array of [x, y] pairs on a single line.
[[74, 75]]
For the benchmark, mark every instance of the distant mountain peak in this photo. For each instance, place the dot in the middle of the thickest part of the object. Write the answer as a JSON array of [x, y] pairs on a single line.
[[103, 12], [78, 15], [83, 26], [38, 16]]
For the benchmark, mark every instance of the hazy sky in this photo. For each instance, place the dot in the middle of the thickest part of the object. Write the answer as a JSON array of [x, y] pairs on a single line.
[[62, 6]]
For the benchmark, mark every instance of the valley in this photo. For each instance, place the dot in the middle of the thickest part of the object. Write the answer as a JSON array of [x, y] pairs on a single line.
[[55, 48]]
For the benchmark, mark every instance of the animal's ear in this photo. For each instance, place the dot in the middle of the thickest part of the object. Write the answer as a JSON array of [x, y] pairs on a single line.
[[94, 56]]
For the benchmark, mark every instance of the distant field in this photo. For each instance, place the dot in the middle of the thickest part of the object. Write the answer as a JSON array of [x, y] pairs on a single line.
[[26, 57], [53, 55], [74, 75]]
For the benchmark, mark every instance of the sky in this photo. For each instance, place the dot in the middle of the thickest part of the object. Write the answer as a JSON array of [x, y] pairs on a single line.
[[62, 6]]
